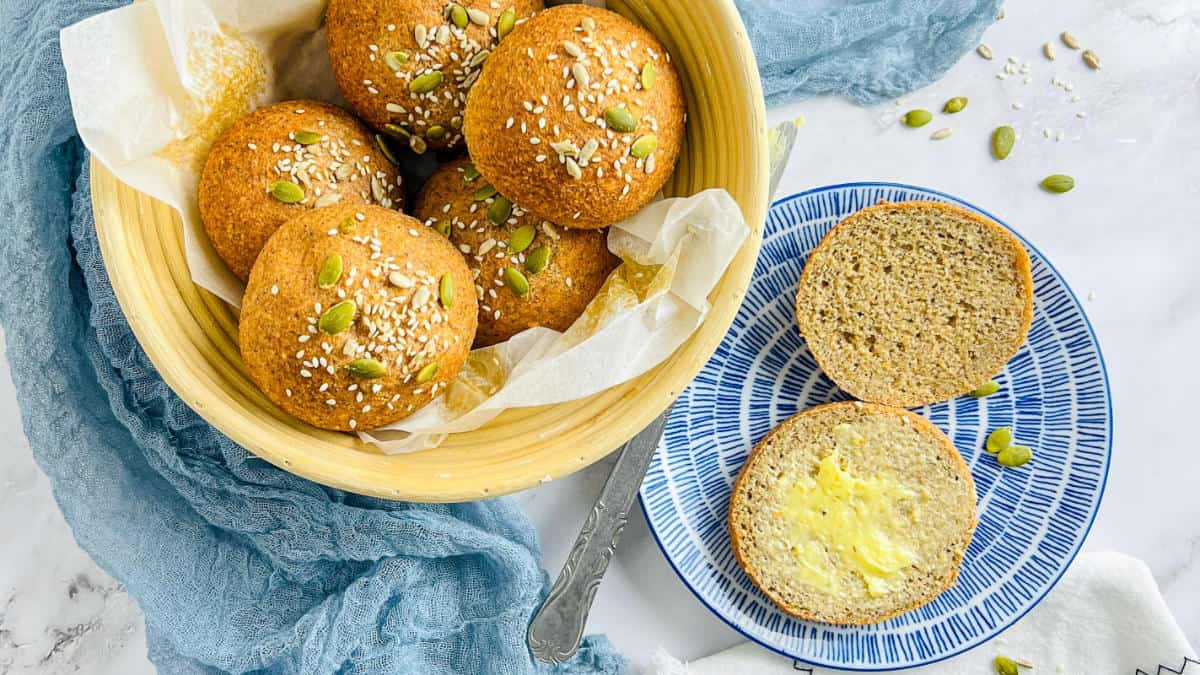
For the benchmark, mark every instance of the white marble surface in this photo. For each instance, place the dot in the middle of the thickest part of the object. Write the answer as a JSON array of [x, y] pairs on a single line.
[[1127, 238]]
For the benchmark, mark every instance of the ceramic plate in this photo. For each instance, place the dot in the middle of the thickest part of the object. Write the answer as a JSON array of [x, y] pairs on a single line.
[[1032, 520]]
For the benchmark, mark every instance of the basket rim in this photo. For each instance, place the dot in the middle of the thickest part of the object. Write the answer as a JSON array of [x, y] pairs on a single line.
[[346, 463]]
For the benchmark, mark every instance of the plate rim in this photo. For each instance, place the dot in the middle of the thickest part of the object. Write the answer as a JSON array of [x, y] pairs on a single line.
[[1091, 518]]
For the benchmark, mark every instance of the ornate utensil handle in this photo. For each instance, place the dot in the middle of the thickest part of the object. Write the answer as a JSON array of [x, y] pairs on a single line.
[[558, 626]]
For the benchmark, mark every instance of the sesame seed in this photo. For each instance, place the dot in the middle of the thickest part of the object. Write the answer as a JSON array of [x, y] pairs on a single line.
[[274, 290]]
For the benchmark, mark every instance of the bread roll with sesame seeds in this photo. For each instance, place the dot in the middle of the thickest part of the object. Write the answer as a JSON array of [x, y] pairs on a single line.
[[405, 66], [578, 115], [322, 150], [563, 268], [356, 316], [916, 302], [852, 513]]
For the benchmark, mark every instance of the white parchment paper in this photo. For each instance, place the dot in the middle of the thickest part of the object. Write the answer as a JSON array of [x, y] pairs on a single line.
[[152, 86]]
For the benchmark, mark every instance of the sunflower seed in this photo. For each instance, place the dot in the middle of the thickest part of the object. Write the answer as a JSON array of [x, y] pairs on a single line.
[[478, 16]]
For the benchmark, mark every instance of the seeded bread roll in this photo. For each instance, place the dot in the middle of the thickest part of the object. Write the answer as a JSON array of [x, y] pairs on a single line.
[[578, 116], [405, 66], [917, 302], [355, 317], [313, 154], [561, 269], [852, 513]]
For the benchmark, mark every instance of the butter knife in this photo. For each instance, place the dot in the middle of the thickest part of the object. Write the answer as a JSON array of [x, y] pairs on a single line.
[[557, 628]]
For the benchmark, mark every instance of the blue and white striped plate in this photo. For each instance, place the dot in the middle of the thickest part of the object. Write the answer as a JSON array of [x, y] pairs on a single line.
[[1032, 520]]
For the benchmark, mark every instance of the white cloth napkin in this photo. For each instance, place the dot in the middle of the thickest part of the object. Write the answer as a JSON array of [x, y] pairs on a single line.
[[1105, 616]]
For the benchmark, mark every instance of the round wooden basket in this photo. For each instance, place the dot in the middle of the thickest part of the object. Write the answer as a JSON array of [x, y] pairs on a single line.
[[191, 336]]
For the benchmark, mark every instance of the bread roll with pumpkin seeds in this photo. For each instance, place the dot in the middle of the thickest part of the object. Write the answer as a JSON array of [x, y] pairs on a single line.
[[528, 272], [405, 66], [916, 302], [281, 160], [356, 316], [852, 513], [578, 116]]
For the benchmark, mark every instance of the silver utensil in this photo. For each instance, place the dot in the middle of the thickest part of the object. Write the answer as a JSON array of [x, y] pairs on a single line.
[[557, 628]]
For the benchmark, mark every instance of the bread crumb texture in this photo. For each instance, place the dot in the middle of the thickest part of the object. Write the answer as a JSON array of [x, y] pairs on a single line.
[[915, 302], [852, 513]]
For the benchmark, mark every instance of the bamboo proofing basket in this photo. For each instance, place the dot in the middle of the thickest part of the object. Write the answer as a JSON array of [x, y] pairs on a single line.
[[191, 336]]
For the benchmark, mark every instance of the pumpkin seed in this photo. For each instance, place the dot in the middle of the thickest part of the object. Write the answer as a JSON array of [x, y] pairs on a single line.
[[955, 104], [1069, 40], [446, 290], [987, 389], [521, 238], [458, 16], [649, 75], [338, 318], [395, 60], [620, 119], [385, 149], [500, 210], [306, 137], [516, 282], [1005, 666], [644, 145], [1090, 58], [470, 173], [443, 228], [347, 226], [916, 118], [426, 374], [484, 191], [366, 369], [537, 260], [436, 132], [999, 439], [396, 131], [505, 24], [1058, 183], [1014, 455], [287, 192], [423, 84], [984, 51], [1003, 140], [331, 271], [478, 16]]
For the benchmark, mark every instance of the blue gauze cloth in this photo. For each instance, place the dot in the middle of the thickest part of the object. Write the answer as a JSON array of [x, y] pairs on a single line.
[[867, 50], [238, 566]]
